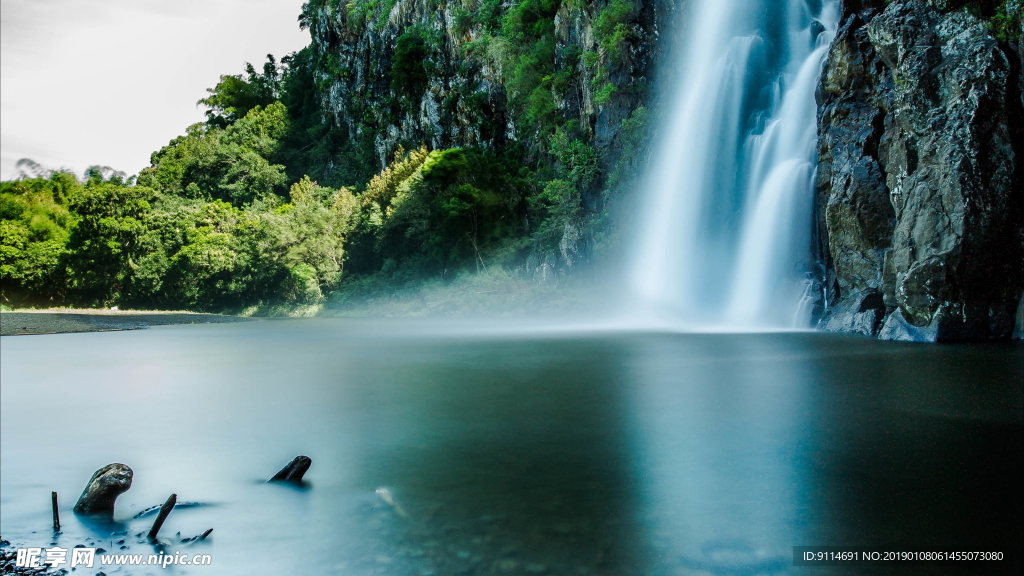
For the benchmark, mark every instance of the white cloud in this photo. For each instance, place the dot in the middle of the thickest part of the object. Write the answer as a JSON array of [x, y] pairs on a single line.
[[110, 81]]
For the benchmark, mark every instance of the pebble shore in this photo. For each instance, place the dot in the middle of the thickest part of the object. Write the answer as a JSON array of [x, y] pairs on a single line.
[[59, 321]]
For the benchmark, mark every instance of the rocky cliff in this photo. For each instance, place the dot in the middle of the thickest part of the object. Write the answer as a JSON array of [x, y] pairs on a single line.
[[482, 73], [505, 76], [919, 185]]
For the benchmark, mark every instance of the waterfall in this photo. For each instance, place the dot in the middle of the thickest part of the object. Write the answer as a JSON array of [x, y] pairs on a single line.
[[728, 197]]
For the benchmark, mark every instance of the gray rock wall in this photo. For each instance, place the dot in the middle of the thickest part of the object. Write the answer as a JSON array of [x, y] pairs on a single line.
[[919, 183], [468, 96], [466, 99]]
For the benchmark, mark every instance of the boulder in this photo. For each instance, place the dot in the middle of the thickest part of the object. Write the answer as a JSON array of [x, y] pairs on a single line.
[[858, 313]]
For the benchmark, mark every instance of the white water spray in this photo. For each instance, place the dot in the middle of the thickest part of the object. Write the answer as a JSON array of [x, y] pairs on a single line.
[[727, 218]]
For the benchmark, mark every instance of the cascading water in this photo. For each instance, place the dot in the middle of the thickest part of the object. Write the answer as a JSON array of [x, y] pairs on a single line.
[[727, 217]]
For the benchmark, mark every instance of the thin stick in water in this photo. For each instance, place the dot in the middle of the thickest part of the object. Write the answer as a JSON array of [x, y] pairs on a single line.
[[198, 537], [164, 511], [56, 516]]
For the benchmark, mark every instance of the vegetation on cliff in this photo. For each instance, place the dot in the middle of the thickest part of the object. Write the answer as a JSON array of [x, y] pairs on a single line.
[[416, 141], [281, 196]]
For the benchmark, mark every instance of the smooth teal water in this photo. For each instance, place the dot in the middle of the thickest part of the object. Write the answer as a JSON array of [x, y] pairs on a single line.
[[516, 449]]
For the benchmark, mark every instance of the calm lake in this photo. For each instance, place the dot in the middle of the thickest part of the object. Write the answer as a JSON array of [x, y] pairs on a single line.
[[516, 449]]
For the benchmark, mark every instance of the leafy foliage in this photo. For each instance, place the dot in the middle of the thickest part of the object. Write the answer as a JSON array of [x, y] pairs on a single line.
[[383, 187], [106, 242], [612, 27], [1008, 20], [273, 199], [408, 70], [439, 209], [34, 228], [235, 95], [312, 231], [312, 146], [560, 201], [231, 164], [529, 58]]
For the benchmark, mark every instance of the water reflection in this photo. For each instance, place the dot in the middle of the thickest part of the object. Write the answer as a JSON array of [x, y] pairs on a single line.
[[922, 446], [509, 451], [719, 422], [515, 453]]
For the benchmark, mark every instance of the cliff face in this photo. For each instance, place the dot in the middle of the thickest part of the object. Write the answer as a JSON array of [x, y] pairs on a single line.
[[919, 186], [920, 176], [467, 73], [505, 76]]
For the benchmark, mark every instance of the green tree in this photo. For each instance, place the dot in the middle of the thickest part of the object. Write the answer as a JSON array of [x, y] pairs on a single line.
[[231, 164], [612, 27], [215, 257], [313, 145], [235, 95], [529, 61], [35, 224], [105, 245], [409, 68], [312, 231], [560, 201], [444, 211]]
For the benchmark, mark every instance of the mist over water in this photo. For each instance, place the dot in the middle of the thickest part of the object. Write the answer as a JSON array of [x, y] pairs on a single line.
[[511, 450], [724, 233]]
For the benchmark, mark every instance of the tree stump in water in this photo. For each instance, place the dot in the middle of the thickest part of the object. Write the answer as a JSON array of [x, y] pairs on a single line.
[[294, 471], [103, 489]]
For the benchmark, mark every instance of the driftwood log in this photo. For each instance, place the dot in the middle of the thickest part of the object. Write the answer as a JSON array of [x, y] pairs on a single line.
[[103, 489], [294, 471]]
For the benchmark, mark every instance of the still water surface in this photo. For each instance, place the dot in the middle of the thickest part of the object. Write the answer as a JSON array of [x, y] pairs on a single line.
[[516, 450]]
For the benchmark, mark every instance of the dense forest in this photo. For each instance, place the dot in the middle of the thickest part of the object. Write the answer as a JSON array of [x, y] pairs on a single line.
[[269, 201], [397, 147]]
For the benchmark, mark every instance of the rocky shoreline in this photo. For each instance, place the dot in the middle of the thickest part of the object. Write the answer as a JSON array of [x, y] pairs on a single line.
[[66, 320]]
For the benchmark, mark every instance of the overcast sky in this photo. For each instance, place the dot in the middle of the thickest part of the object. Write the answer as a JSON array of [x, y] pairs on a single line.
[[108, 82]]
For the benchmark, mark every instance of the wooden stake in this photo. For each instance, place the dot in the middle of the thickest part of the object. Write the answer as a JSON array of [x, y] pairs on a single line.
[[165, 510], [56, 516]]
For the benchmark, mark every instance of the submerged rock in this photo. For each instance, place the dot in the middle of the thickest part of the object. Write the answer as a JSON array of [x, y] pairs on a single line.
[[294, 471], [858, 313], [103, 488], [897, 328]]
